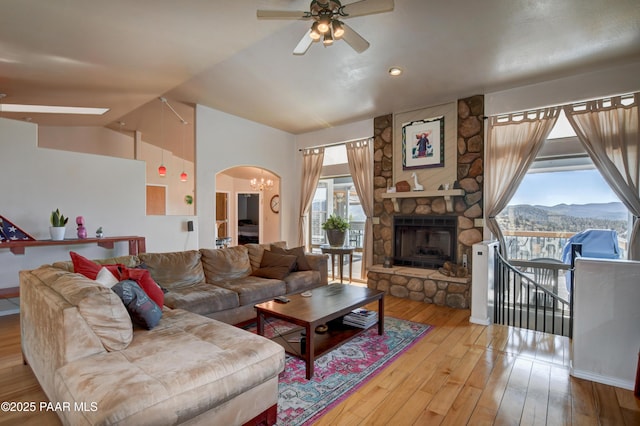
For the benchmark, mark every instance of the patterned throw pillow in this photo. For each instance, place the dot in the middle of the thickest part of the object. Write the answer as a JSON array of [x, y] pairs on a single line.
[[141, 308]]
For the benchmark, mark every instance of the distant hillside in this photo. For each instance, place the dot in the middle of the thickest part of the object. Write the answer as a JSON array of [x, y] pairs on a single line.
[[613, 211], [565, 217]]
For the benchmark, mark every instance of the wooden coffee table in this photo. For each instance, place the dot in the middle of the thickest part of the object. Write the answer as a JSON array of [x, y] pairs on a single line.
[[327, 305]]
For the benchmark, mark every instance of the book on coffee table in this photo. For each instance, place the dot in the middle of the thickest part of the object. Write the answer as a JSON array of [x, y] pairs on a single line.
[[361, 318]]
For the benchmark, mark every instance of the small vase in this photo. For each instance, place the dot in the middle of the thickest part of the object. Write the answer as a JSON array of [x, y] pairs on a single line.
[[57, 232]]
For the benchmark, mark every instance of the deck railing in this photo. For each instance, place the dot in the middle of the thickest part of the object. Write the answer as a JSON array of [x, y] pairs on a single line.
[[522, 302]]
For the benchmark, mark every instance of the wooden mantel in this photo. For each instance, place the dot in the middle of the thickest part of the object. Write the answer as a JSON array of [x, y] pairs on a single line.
[[136, 244], [446, 193]]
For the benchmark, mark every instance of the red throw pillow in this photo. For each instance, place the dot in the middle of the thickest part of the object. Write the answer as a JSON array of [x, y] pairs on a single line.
[[144, 280], [90, 269]]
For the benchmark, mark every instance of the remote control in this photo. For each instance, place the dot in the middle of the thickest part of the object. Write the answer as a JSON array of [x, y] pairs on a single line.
[[281, 299]]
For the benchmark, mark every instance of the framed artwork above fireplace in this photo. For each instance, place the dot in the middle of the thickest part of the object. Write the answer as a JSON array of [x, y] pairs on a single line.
[[432, 171], [423, 143]]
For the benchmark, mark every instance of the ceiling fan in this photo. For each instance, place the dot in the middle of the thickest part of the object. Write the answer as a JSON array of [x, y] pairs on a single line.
[[327, 24]]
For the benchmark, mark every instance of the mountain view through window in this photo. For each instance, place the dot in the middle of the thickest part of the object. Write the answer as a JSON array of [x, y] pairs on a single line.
[[561, 195]]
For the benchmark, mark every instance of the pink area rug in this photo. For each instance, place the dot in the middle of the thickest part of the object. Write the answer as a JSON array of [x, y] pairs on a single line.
[[339, 372]]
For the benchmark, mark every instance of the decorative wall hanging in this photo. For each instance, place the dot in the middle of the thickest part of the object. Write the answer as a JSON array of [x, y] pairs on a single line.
[[423, 143]]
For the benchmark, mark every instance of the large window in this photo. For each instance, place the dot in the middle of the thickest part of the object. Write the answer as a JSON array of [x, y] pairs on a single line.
[[562, 194], [336, 194]]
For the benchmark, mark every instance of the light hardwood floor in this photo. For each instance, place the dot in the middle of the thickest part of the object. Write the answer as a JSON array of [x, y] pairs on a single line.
[[460, 373]]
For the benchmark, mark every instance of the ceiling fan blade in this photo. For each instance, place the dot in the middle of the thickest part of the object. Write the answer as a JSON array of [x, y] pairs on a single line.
[[367, 7], [355, 40], [304, 44], [282, 14]]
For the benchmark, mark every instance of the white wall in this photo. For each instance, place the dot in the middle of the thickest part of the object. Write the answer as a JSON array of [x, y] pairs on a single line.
[[224, 141], [107, 191], [353, 131], [90, 140], [176, 189], [606, 331], [593, 85]]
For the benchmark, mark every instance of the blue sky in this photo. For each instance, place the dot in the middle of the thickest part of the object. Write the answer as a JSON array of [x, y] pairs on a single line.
[[571, 187]]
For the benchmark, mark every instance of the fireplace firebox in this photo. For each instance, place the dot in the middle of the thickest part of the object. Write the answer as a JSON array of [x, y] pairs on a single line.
[[424, 241]]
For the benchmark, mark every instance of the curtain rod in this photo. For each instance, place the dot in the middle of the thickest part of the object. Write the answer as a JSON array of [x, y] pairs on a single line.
[[574, 104], [335, 143]]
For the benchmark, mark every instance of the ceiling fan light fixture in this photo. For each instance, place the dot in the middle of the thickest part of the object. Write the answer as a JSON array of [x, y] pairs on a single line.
[[328, 39], [315, 34], [338, 28], [324, 24]]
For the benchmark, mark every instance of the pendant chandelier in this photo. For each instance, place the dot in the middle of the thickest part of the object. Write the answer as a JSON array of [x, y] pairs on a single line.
[[261, 184]]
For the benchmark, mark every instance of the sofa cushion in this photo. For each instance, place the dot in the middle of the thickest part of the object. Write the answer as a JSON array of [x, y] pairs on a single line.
[[276, 266], [106, 278], [141, 308], [298, 252], [225, 264], [100, 307], [90, 269], [255, 254], [300, 281], [144, 280], [202, 298], [256, 250], [130, 261], [253, 289], [174, 270], [185, 366]]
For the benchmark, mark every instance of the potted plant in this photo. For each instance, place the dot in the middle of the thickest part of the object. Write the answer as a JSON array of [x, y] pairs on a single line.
[[57, 228], [336, 228]]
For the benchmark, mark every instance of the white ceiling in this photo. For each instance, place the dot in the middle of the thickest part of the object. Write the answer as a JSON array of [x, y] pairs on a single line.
[[123, 54]]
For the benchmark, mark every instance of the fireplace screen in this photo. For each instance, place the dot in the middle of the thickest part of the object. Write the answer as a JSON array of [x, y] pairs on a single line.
[[424, 241]]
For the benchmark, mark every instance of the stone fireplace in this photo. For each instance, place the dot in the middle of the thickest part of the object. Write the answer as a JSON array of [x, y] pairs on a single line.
[[424, 282], [424, 241]]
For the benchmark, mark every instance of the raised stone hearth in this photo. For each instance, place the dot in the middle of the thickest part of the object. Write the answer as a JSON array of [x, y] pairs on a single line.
[[424, 285]]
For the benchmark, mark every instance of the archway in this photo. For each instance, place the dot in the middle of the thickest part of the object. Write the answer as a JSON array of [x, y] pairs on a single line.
[[259, 223]]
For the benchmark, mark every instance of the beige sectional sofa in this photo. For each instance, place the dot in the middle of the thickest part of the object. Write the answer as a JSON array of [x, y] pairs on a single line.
[[101, 369]]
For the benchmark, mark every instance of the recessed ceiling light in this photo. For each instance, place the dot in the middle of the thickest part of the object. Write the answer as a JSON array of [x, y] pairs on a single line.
[[48, 109], [395, 71]]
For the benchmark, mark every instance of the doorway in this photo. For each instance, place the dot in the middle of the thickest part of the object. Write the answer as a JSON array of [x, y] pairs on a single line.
[[249, 214]]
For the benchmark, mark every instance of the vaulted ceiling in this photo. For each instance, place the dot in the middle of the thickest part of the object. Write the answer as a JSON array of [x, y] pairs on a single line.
[[124, 54]]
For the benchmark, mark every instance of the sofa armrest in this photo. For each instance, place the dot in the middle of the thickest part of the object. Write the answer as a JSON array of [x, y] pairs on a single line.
[[319, 262]]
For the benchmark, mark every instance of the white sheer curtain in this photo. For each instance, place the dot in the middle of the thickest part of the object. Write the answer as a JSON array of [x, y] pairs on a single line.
[[360, 158], [512, 144], [608, 129], [311, 169]]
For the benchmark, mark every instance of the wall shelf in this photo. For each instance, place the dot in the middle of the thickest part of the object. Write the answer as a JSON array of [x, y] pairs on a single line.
[[446, 193], [136, 244]]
